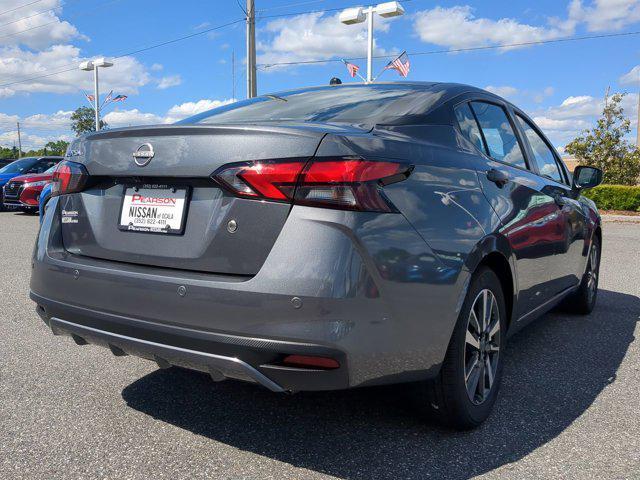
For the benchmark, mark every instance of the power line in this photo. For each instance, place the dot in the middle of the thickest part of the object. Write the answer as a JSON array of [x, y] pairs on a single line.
[[18, 8], [458, 50]]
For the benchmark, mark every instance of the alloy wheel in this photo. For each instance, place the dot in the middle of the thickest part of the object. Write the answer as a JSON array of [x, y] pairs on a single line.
[[482, 346]]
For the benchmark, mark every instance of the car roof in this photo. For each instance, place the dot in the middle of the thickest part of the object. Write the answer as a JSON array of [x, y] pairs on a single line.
[[450, 89]]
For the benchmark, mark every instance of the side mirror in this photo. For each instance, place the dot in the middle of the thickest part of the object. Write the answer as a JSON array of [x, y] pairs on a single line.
[[586, 177]]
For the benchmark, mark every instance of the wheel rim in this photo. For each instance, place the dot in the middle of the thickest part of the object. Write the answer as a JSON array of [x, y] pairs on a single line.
[[482, 347], [592, 273]]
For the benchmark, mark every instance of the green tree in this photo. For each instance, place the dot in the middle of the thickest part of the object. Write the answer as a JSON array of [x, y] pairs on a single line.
[[83, 120], [605, 146], [56, 148]]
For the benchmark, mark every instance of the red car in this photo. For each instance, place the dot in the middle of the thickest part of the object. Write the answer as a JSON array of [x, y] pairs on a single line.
[[24, 191]]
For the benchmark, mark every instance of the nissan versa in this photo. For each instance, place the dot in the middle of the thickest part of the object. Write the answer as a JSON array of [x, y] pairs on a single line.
[[322, 238]]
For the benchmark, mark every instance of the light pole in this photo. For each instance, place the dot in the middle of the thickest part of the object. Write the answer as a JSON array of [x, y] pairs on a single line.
[[94, 65], [351, 16]]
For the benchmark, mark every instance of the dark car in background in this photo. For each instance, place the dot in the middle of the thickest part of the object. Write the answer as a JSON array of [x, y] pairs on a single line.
[[24, 166], [322, 238], [23, 192]]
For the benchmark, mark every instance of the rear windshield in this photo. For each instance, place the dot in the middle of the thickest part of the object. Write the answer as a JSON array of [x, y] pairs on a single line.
[[357, 104], [19, 166]]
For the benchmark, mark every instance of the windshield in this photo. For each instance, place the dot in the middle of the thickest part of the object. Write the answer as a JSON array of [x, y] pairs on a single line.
[[19, 166], [354, 104]]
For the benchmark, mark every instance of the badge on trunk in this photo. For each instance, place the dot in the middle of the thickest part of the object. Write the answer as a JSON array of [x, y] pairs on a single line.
[[143, 155]]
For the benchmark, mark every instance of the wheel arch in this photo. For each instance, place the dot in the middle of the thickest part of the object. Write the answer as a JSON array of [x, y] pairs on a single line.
[[495, 253]]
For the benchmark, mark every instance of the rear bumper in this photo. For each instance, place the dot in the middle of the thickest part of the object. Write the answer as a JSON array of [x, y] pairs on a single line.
[[222, 356], [335, 284]]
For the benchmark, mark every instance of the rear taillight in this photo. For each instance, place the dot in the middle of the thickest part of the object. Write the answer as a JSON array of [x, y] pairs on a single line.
[[68, 177], [344, 183]]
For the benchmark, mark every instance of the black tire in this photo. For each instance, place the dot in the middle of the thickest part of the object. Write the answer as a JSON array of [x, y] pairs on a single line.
[[583, 300], [446, 398]]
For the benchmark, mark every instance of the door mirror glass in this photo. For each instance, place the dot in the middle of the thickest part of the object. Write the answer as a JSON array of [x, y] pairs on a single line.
[[586, 177]]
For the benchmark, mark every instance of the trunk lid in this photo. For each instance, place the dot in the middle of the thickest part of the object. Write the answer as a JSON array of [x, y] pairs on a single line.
[[222, 233]]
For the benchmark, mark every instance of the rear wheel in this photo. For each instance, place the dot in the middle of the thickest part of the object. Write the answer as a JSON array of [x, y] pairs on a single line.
[[583, 300], [465, 390]]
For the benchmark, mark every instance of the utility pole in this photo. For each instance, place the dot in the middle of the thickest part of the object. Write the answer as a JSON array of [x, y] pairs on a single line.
[[252, 87], [19, 142], [233, 74]]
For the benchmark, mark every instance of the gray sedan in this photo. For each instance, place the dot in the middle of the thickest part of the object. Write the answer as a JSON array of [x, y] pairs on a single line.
[[322, 238]]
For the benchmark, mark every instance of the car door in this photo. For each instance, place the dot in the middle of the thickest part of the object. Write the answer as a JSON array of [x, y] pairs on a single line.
[[528, 213], [572, 223]]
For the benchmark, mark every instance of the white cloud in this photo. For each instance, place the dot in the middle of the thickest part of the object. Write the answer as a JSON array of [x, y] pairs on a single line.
[[126, 76], [603, 15], [539, 97], [562, 123], [313, 36], [632, 77], [505, 91], [30, 141], [187, 109], [156, 67], [41, 128], [127, 118], [457, 27], [23, 27], [170, 81]]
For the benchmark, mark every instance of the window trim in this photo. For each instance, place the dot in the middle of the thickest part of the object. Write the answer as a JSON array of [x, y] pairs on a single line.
[[485, 152], [516, 132], [561, 170]]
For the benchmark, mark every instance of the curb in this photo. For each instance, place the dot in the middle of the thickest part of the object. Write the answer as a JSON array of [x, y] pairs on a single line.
[[621, 218]]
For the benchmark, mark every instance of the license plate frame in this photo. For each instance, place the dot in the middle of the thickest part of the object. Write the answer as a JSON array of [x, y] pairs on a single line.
[[163, 190]]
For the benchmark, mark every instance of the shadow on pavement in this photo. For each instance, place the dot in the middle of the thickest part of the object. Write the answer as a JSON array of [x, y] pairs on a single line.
[[555, 369]]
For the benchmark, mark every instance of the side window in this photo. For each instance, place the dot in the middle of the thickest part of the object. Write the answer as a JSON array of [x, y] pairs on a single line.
[[501, 140], [543, 155], [469, 126]]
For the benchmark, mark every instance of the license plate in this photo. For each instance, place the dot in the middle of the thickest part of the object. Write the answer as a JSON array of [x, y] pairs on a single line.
[[154, 209]]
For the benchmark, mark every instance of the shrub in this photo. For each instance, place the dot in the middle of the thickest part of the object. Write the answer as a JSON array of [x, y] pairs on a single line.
[[615, 197]]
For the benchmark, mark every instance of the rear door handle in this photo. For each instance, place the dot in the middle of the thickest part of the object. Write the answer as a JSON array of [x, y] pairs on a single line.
[[498, 177]]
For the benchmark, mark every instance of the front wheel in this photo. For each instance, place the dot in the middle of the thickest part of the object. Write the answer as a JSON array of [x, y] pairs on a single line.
[[465, 390]]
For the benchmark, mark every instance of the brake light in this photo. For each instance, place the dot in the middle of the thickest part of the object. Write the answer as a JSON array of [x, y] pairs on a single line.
[[344, 183], [68, 177]]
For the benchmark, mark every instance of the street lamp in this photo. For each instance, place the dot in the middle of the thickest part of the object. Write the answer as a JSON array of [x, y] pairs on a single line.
[[94, 65], [351, 16]]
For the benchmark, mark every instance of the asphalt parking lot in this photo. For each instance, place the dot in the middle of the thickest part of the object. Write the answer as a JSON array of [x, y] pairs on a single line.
[[569, 406]]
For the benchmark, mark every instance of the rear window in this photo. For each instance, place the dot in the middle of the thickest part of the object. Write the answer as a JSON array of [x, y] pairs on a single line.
[[19, 166], [357, 104]]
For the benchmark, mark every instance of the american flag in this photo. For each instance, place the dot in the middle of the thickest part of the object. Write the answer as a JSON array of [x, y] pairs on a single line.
[[353, 69], [119, 98], [108, 98], [400, 64]]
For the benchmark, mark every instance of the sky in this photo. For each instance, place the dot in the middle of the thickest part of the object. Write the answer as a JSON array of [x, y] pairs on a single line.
[[561, 85]]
